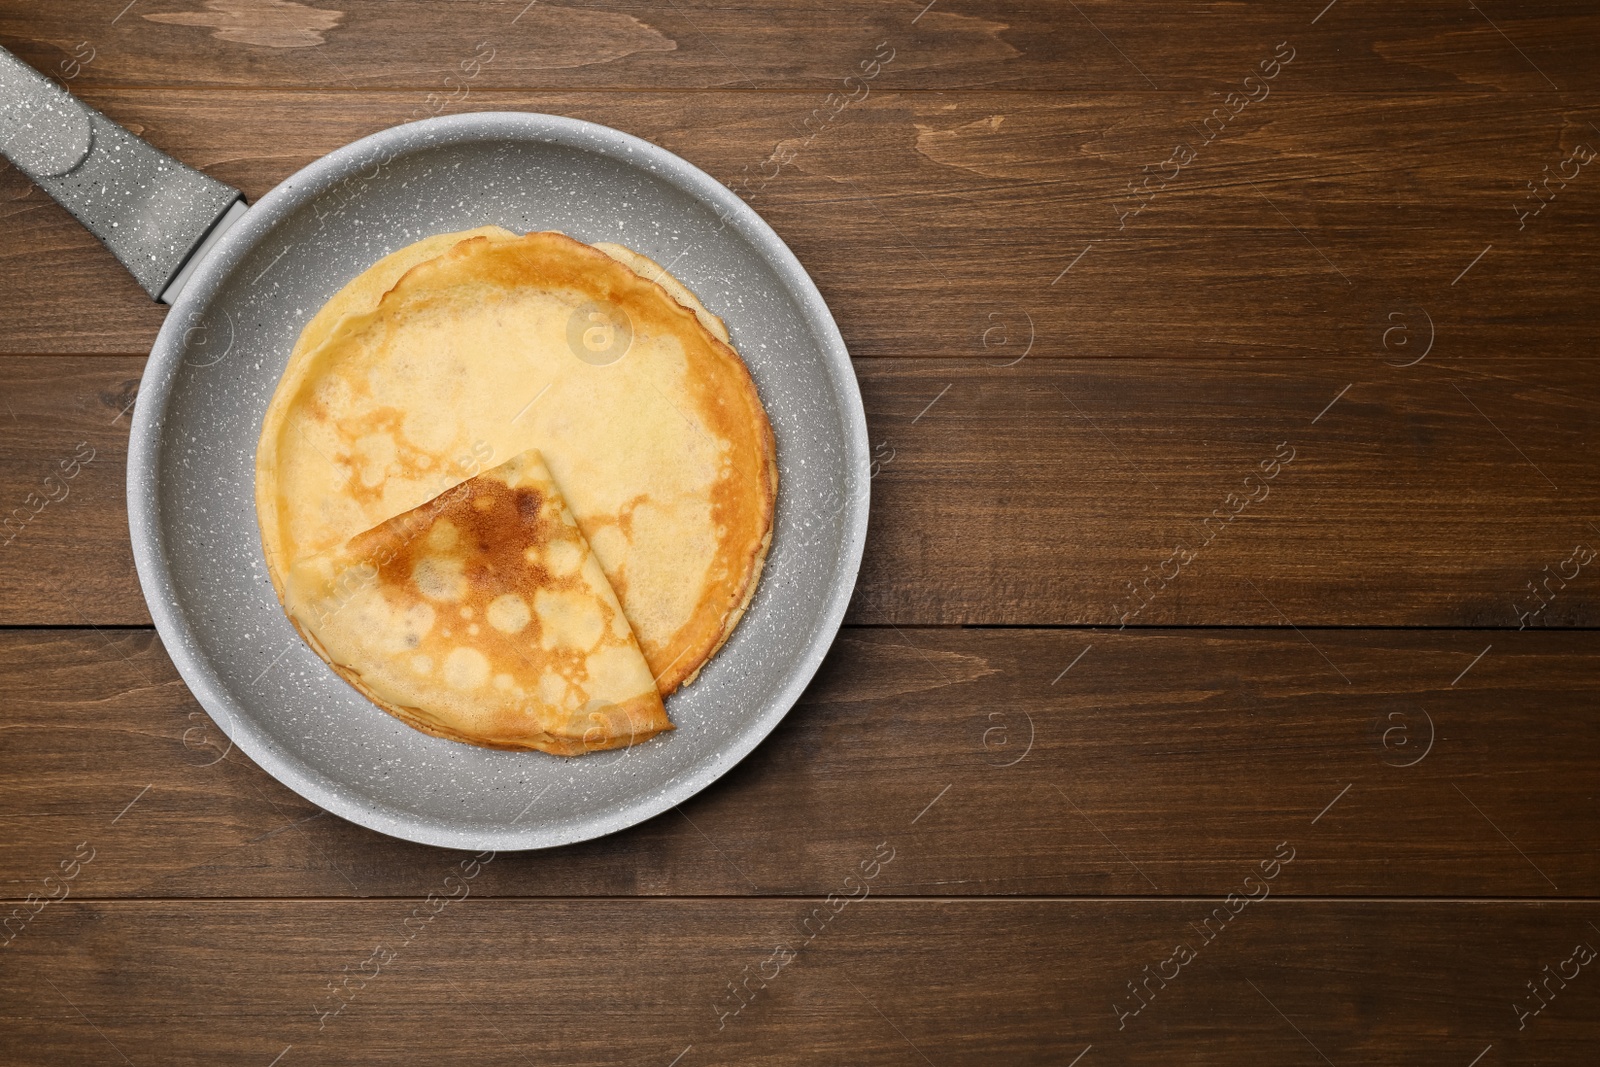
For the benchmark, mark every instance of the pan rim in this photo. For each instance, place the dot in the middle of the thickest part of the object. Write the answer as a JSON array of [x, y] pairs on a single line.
[[150, 550]]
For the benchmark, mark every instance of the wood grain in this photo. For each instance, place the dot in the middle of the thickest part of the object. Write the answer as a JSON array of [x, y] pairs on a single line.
[[698, 44], [64, 540], [884, 982], [1402, 763], [1070, 493], [1056, 492], [1315, 226]]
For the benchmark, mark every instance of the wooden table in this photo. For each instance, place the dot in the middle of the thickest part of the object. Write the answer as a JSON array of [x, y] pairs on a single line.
[[1221, 685]]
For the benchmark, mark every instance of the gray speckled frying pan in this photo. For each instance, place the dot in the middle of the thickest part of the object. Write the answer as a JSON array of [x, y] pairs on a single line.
[[242, 282]]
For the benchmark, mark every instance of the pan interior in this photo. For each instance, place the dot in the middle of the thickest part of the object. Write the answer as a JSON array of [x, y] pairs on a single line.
[[218, 360]]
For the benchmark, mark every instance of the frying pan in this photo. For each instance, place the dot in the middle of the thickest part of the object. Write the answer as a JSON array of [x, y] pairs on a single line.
[[242, 281]]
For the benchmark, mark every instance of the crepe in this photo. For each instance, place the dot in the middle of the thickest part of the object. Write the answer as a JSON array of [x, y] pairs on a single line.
[[471, 348], [482, 616]]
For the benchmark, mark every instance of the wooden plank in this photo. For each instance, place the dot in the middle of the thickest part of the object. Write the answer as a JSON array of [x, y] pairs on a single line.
[[883, 981], [950, 44], [1444, 495], [1005, 762], [65, 557], [1315, 225], [1099, 494]]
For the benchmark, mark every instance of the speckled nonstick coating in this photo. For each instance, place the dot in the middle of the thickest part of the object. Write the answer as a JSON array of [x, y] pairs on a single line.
[[218, 358]]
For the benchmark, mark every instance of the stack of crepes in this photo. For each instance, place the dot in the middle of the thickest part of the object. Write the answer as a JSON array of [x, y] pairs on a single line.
[[516, 490]]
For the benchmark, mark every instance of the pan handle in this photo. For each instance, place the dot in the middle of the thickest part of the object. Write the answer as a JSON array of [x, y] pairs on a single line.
[[151, 211]]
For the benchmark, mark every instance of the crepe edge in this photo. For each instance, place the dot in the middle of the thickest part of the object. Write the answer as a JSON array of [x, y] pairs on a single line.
[[638, 262], [313, 335], [757, 565], [672, 680], [645, 713]]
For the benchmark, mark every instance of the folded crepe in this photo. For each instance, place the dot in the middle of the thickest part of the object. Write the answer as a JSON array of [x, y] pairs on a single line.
[[482, 616], [487, 344]]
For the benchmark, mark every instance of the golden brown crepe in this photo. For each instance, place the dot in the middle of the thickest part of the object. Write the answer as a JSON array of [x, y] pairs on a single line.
[[486, 343], [482, 616]]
